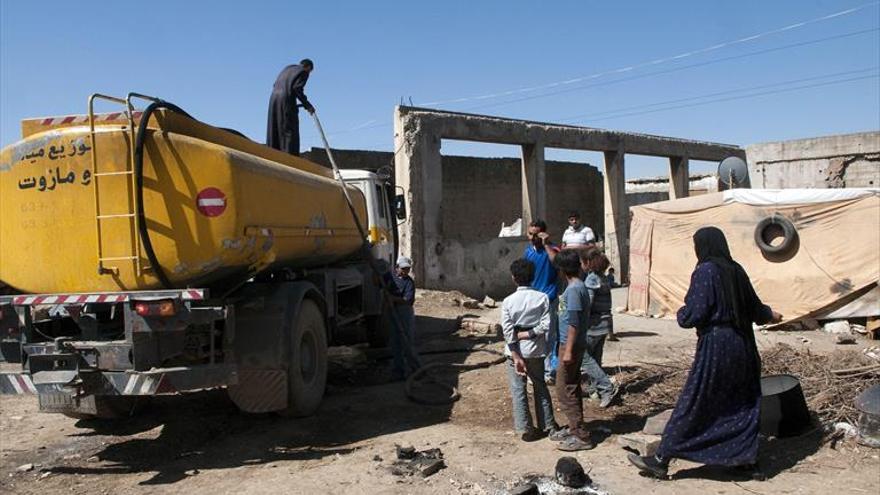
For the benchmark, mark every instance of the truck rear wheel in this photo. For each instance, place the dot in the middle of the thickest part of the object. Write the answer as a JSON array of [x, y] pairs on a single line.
[[307, 366]]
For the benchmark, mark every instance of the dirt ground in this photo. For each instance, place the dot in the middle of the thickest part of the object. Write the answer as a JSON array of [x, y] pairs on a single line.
[[199, 443]]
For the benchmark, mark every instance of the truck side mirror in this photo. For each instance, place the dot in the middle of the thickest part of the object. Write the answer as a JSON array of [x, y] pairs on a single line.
[[400, 207]]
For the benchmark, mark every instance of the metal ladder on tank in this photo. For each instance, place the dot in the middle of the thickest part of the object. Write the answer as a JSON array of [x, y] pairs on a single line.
[[134, 253]]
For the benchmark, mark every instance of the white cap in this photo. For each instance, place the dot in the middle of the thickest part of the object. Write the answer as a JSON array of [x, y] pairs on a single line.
[[404, 262]]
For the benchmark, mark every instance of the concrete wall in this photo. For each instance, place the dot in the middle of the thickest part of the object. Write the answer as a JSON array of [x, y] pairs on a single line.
[[478, 195], [481, 193], [846, 160], [574, 186], [359, 159], [418, 133]]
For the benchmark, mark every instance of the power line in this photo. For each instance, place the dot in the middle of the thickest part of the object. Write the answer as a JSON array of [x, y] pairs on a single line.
[[655, 61], [742, 97], [677, 69], [640, 76], [719, 93]]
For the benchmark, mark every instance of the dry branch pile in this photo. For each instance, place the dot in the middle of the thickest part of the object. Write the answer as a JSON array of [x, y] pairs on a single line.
[[651, 387], [830, 382]]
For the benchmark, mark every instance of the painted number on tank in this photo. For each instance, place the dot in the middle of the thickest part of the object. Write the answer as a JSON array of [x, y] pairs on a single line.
[[211, 202], [38, 223]]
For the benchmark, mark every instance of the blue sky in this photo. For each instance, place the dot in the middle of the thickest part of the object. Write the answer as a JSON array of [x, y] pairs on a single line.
[[218, 61]]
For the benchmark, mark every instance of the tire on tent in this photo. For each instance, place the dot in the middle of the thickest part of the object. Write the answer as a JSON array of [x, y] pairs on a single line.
[[763, 233]]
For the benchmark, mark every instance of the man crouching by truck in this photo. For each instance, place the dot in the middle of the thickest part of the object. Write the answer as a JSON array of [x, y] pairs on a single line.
[[403, 346]]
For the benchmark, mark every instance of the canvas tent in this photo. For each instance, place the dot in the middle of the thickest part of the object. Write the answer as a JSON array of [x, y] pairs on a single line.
[[831, 270]]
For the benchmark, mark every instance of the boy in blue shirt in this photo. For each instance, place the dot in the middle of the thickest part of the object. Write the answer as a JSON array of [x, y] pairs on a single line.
[[574, 313], [541, 253]]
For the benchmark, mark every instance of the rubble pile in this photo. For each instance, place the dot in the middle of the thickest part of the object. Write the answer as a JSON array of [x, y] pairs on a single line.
[[412, 462]]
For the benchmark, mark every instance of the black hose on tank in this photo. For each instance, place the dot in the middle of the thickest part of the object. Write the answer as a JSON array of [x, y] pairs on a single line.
[[139, 186]]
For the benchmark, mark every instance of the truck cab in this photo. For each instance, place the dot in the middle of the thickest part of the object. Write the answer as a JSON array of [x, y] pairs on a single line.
[[379, 194]]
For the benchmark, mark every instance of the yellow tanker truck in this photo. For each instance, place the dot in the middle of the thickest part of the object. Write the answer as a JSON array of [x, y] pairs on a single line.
[[145, 252]]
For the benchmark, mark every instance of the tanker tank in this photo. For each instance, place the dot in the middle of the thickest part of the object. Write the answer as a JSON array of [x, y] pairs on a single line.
[[215, 206]]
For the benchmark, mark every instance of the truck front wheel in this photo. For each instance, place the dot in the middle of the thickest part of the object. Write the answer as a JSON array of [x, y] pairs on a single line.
[[307, 366]]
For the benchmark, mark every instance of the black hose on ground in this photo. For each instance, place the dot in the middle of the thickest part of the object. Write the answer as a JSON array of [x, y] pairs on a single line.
[[454, 393], [143, 232]]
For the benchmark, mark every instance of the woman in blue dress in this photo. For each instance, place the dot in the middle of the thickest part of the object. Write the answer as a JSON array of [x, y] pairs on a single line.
[[715, 420]]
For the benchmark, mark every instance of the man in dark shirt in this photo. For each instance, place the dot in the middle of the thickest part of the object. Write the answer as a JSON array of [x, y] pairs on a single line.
[[406, 316], [282, 129], [405, 283]]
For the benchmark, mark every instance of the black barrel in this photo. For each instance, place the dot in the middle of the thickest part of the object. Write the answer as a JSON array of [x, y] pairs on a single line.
[[784, 410]]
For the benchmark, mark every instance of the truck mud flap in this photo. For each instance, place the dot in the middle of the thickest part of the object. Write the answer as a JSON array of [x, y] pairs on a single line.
[[259, 391], [15, 383]]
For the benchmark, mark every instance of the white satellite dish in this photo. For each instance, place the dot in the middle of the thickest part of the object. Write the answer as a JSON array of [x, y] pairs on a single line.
[[733, 171]]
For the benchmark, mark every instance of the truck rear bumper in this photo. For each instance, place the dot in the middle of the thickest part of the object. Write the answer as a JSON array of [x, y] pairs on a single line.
[[131, 383], [15, 383]]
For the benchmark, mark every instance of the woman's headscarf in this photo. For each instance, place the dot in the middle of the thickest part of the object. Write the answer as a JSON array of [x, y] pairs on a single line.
[[711, 245]]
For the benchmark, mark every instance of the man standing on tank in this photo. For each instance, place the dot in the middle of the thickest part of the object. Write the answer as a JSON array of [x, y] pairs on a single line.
[[282, 130]]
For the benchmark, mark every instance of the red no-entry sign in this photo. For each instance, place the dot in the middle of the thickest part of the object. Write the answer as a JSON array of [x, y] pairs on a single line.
[[211, 202]]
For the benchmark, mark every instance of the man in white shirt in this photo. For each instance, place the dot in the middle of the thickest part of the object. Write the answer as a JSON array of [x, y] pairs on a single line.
[[525, 319], [577, 236]]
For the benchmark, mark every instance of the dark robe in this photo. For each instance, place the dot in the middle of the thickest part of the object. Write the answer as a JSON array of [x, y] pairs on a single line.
[[716, 418], [282, 128]]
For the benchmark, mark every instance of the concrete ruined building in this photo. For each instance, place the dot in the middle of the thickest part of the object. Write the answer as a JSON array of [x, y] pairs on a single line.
[[479, 266], [846, 160], [456, 204]]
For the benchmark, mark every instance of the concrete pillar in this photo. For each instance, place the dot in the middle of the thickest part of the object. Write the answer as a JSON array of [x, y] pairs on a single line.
[[679, 177], [418, 170], [616, 214], [534, 180]]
